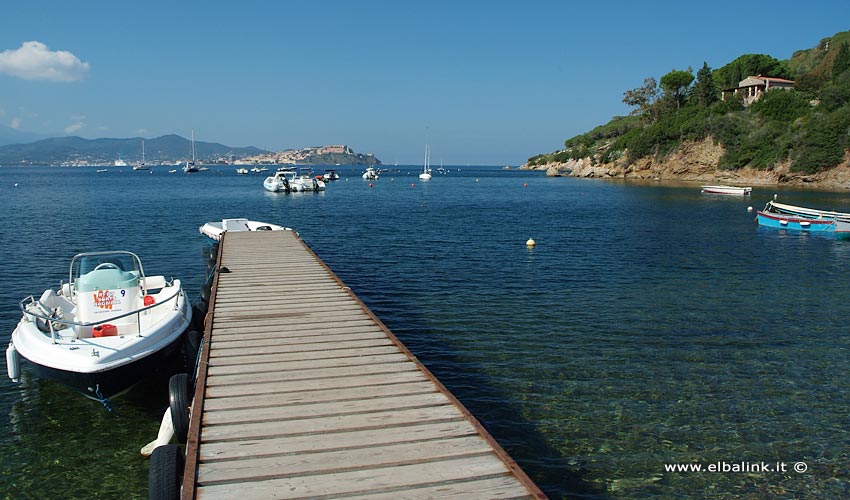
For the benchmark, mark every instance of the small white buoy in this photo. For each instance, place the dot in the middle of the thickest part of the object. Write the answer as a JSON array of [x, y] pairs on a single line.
[[530, 242], [16, 184], [775, 195], [750, 208]]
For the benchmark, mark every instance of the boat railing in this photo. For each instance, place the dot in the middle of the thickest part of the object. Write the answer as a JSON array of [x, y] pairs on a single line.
[[30, 306]]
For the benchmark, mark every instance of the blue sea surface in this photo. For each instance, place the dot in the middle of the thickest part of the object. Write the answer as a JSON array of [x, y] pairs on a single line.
[[650, 326]]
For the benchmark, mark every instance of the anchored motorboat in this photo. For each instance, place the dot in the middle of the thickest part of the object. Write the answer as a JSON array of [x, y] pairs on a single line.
[[278, 182], [215, 229], [370, 174], [107, 328]]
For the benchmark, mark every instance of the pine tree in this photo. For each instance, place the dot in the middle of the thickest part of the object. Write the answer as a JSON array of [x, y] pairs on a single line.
[[735, 77], [705, 91]]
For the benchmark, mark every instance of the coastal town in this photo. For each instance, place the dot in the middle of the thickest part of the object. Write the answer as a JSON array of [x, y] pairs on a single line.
[[337, 154]]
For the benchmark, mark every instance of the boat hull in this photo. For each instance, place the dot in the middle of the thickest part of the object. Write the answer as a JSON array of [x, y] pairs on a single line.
[[115, 381], [727, 190], [804, 224]]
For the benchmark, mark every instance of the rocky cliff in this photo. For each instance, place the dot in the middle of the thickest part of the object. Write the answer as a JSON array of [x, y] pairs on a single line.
[[698, 162]]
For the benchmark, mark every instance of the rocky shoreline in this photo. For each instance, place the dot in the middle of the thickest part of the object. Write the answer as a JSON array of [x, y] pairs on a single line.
[[698, 162]]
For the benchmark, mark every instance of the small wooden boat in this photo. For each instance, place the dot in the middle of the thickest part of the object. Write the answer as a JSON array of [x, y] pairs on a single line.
[[214, 230], [782, 216], [782, 208], [727, 190]]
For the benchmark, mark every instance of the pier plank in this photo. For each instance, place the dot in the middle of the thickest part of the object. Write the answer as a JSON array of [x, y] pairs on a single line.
[[302, 392]]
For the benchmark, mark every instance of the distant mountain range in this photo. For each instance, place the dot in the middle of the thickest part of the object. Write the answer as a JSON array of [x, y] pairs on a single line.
[[78, 151], [9, 135]]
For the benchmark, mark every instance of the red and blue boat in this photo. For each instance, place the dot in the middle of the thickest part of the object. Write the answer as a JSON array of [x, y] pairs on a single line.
[[782, 216]]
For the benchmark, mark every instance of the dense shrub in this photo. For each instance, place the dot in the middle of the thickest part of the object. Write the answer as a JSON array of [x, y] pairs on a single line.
[[823, 142], [783, 106]]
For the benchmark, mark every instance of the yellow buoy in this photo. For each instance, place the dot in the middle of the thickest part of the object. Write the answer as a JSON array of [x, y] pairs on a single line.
[[530, 242]]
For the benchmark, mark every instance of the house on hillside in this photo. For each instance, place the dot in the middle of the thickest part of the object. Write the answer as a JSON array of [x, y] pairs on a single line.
[[753, 87]]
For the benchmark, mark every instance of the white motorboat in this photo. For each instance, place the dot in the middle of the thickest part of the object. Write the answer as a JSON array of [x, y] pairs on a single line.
[[727, 190], [214, 230], [104, 330], [426, 171], [330, 175], [311, 182], [370, 174], [279, 182], [300, 182], [241, 171]]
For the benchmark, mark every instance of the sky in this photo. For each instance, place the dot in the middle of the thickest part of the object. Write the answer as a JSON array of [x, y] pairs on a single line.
[[484, 83]]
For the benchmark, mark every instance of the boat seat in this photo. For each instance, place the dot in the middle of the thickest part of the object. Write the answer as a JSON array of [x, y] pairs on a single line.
[[235, 225], [153, 283]]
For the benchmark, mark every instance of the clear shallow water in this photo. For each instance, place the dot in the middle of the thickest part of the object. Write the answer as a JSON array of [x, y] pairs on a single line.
[[651, 325]]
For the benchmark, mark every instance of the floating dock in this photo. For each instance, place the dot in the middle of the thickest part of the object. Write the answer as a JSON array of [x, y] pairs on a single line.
[[302, 393]]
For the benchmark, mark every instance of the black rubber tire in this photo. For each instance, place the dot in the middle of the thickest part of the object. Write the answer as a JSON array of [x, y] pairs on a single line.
[[189, 350], [166, 473], [179, 399]]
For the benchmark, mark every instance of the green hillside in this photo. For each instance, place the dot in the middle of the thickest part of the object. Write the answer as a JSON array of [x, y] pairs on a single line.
[[808, 126]]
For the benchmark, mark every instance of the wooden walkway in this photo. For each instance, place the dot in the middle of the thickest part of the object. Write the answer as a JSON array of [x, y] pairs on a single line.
[[303, 393]]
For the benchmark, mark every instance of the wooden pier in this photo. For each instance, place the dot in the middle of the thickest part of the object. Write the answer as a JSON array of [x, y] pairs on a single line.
[[303, 393]]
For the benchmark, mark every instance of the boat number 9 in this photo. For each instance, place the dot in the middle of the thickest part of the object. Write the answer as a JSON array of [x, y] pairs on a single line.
[[123, 292]]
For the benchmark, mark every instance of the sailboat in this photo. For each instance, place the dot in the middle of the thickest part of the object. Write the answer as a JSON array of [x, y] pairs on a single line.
[[141, 165], [426, 171], [190, 165]]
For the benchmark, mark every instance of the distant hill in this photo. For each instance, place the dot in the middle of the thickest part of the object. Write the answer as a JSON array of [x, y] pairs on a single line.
[[78, 151], [9, 135]]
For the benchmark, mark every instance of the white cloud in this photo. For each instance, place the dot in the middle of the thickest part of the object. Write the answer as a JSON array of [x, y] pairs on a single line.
[[16, 123], [70, 129], [34, 61]]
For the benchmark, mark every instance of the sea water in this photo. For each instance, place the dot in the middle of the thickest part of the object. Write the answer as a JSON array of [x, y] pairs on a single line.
[[651, 332]]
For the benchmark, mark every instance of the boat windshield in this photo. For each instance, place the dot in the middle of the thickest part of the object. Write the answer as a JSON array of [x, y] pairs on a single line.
[[85, 263]]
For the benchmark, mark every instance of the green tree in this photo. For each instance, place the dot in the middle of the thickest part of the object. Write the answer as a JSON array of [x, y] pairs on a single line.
[[675, 85], [842, 61], [752, 65], [705, 91], [642, 98], [734, 75]]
